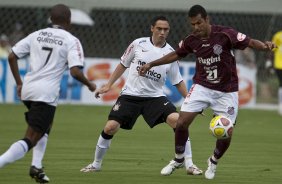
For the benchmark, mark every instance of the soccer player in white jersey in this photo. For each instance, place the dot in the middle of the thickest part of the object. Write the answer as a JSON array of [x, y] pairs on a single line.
[[52, 50], [143, 95]]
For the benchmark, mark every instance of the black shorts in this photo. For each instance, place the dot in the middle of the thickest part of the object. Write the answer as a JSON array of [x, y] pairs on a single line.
[[40, 115], [153, 109]]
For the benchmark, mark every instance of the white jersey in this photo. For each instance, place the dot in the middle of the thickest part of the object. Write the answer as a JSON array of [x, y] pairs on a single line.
[[51, 51], [140, 52]]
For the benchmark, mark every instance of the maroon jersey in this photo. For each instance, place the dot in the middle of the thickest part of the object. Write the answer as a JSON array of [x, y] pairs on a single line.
[[215, 65]]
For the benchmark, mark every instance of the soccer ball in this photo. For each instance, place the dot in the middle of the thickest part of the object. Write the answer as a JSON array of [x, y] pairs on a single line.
[[221, 127]]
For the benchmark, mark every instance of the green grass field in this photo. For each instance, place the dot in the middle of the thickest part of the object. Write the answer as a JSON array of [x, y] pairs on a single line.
[[137, 156]]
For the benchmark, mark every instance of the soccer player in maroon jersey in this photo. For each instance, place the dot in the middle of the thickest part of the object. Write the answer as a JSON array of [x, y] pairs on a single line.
[[215, 81]]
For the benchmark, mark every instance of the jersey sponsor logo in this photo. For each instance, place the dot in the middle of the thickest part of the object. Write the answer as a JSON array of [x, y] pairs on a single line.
[[241, 36], [217, 49], [208, 61], [47, 37], [151, 74]]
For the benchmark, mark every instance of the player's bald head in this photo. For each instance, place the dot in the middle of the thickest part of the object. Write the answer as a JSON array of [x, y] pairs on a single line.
[[60, 14]]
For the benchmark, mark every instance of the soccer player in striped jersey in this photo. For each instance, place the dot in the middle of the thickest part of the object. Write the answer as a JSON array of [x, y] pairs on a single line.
[[52, 50], [143, 95], [215, 80]]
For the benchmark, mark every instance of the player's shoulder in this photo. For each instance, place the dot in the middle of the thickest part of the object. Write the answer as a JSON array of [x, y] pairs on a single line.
[[142, 40], [221, 28], [226, 30], [168, 46]]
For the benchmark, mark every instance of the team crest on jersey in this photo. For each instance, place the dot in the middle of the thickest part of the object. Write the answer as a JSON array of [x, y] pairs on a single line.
[[241, 36], [116, 106], [230, 110], [217, 49]]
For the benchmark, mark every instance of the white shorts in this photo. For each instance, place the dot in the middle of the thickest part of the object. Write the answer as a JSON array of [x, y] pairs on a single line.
[[200, 98]]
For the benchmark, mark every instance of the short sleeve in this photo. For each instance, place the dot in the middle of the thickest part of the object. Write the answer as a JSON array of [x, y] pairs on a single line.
[[128, 55], [75, 54], [238, 40], [22, 48], [184, 48], [174, 74]]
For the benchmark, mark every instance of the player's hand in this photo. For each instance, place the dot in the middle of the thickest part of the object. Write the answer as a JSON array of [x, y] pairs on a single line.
[[92, 87], [270, 45], [143, 69], [104, 89]]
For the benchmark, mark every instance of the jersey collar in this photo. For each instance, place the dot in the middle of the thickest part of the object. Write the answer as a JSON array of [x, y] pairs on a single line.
[[56, 26], [151, 40]]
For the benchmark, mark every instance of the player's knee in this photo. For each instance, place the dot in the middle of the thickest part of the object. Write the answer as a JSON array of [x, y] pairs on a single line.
[[111, 127], [172, 120]]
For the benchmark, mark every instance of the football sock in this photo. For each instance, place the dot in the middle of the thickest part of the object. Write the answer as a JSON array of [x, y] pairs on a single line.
[[38, 151], [188, 154], [214, 160], [102, 146], [181, 137], [16, 151], [188, 150], [179, 157], [221, 147]]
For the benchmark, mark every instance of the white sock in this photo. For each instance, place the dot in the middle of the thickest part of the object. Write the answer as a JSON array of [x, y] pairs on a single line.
[[179, 156], [39, 151], [280, 100], [102, 146], [188, 154], [214, 159], [16, 151]]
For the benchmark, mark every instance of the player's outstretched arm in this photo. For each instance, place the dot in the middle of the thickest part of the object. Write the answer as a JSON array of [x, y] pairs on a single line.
[[169, 58], [76, 73], [120, 69], [259, 45]]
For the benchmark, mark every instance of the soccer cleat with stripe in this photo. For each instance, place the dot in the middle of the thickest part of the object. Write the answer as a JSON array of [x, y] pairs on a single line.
[[194, 170], [210, 172], [90, 168], [38, 174], [168, 169]]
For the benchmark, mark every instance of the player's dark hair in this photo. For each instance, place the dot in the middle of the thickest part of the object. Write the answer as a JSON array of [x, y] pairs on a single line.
[[60, 14], [196, 10], [155, 19]]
